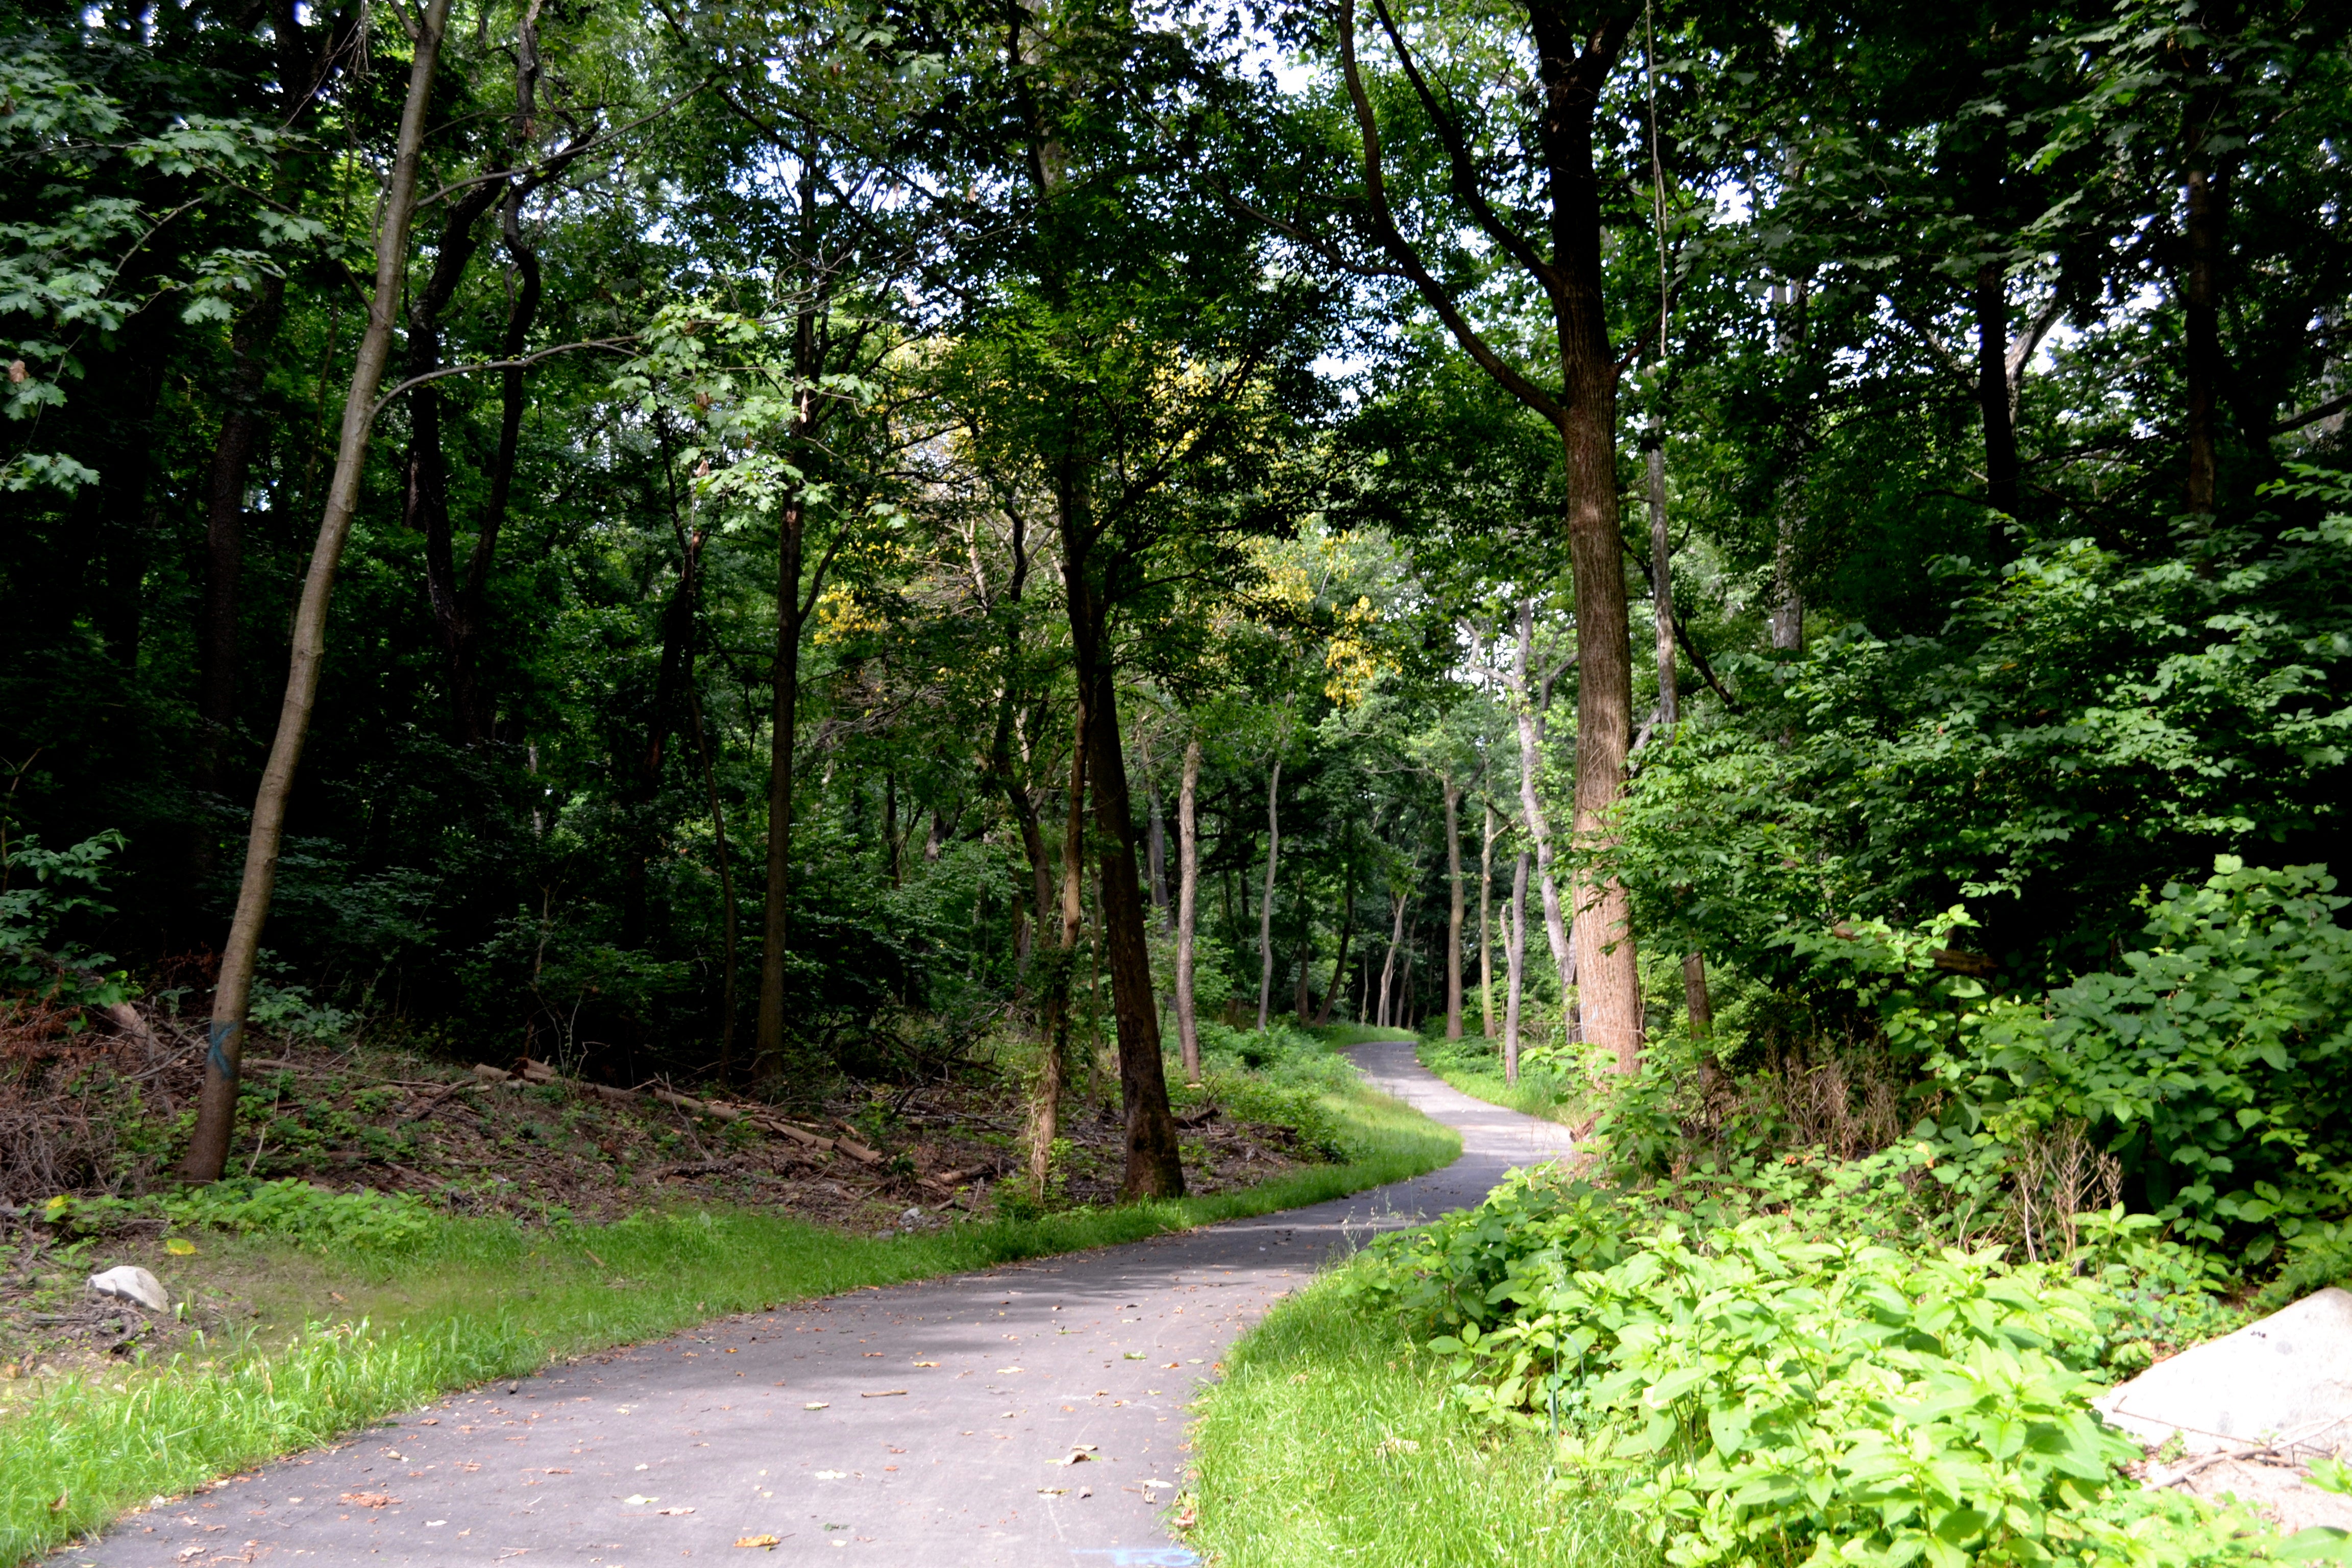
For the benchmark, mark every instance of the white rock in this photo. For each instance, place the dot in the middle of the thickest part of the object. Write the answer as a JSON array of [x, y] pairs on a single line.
[[2285, 1379], [129, 1283]]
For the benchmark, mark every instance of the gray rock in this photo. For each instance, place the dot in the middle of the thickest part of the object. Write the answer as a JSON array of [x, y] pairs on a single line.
[[130, 1283], [2286, 1380]]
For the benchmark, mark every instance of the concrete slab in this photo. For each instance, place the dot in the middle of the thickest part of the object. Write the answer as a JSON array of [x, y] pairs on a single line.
[[2286, 1379]]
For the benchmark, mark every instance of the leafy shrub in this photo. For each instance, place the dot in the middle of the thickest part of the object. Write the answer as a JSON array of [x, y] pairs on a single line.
[[1766, 1397], [42, 891], [2217, 1064], [310, 1215]]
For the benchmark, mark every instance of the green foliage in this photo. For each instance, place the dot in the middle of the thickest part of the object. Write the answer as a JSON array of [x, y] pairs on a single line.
[[2080, 725], [2218, 1062], [41, 892], [1784, 1387], [307, 1214]]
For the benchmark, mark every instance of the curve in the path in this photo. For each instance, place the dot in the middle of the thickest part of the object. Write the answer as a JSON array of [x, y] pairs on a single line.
[[927, 1426]]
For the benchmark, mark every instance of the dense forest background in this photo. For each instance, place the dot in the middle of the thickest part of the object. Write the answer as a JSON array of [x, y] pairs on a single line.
[[1593, 511]]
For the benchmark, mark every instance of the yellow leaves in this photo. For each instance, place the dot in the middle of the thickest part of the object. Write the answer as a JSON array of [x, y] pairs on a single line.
[[1350, 661]]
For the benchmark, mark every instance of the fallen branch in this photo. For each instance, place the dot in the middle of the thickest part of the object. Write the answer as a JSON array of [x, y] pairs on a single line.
[[766, 1122]]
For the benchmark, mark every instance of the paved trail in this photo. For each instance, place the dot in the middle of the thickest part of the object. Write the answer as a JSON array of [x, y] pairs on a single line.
[[918, 1427]]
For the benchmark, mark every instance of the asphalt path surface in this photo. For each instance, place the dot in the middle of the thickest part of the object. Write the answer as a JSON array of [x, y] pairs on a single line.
[[931, 1424]]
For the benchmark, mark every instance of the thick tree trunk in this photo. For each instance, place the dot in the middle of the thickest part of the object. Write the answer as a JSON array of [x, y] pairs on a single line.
[[1454, 911], [1487, 927], [2209, 215], [1609, 988], [216, 1107], [1265, 906], [1515, 959], [1188, 905]]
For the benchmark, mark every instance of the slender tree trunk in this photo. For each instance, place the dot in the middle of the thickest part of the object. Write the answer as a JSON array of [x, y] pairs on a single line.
[[1159, 856], [2208, 216], [1053, 1074], [1154, 1169], [783, 719], [1000, 751], [2001, 474], [1661, 577], [1533, 709], [1188, 902], [1487, 927], [673, 678], [1454, 911], [726, 889], [240, 435], [1389, 968], [1265, 906], [1339, 960], [217, 1108], [1702, 1013], [426, 501], [1515, 957], [1302, 1000]]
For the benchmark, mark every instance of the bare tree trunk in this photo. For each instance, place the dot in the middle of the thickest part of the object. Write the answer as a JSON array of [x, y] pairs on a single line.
[[1515, 957], [217, 1108], [240, 434], [1662, 578], [1159, 830], [1454, 913], [1702, 1013], [1534, 707], [1339, 960], [726, 888], [1154, 1167], [1188, 903], [2001, 474], [1389, 968], [2208, 212], [1487, 927], [1265, 906], [1045, 1101], [783, 724]]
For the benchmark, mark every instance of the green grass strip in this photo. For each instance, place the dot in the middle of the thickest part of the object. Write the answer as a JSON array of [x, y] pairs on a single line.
[[487, 1298], [1331, 1440]]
